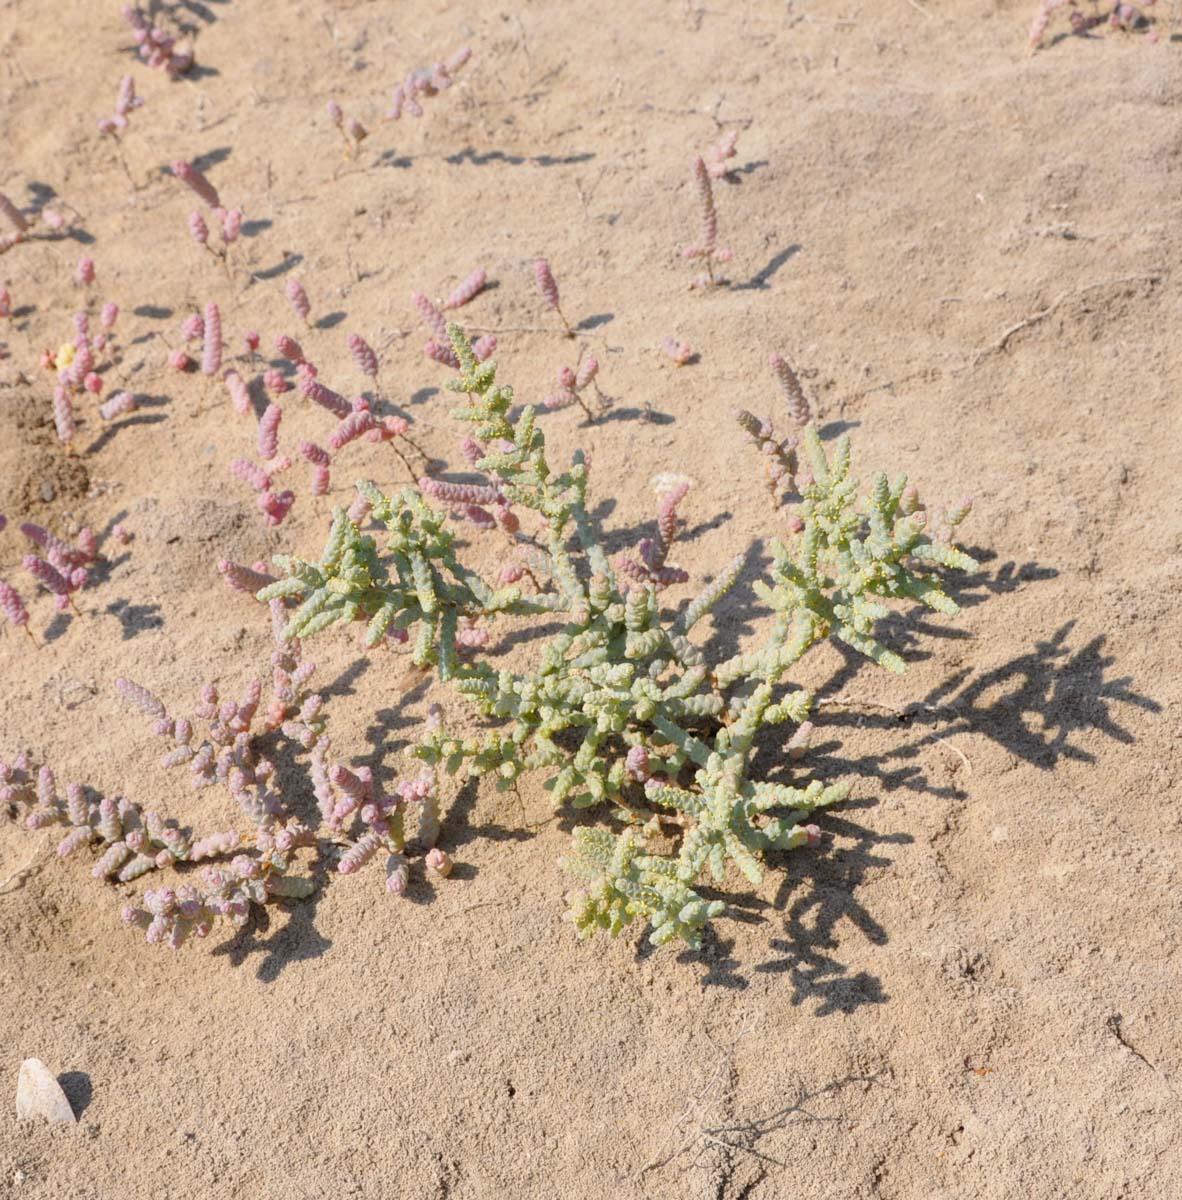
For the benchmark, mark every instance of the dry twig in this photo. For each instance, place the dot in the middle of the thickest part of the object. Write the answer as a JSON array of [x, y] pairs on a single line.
[[1062, 298]]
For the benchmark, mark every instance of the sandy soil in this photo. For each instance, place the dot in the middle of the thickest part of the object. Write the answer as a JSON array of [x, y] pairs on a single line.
[[971, 989]]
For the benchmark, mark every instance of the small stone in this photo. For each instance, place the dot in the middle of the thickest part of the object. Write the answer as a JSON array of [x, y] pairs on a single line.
[[38, 1094], [47, 492]]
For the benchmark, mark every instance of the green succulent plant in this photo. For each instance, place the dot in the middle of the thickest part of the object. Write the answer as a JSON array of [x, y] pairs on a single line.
[[623, 711]]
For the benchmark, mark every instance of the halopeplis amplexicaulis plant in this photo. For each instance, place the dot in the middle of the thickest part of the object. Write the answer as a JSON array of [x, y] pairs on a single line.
[[622, 708]]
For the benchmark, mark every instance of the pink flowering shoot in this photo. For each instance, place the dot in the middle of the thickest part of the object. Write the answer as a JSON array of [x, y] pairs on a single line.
[[467, 290], [13, 607], [196, 183], [706, 247], [363, 355], [298, 299], [211, 355], [548, 287]]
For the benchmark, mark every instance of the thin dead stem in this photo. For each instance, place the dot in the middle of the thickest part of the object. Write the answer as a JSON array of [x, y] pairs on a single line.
[[22, 874], [1027, 322]]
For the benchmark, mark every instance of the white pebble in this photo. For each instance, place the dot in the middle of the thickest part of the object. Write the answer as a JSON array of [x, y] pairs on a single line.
[[38, 1094]]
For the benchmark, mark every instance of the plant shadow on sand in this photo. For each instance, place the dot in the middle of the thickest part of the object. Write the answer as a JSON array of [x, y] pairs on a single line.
[[280, 943], [1035, 706]]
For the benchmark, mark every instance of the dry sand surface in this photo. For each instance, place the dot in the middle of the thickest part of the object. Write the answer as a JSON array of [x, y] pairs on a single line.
[[971, 988]]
